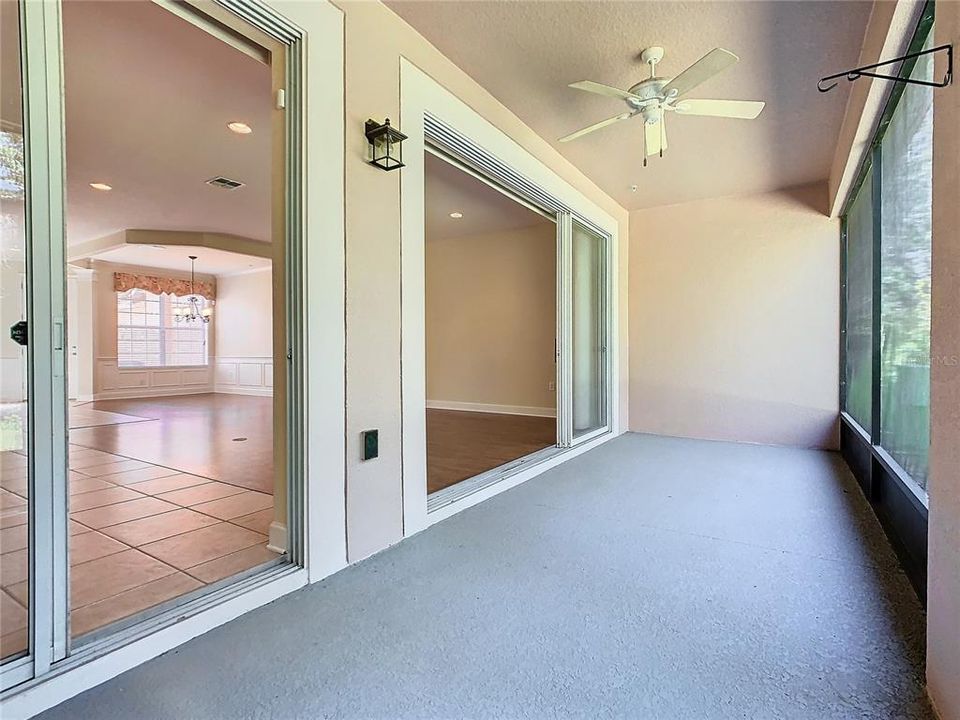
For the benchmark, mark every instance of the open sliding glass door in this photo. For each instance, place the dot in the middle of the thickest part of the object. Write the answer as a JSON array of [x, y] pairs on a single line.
[[583, 332], [32, 427]]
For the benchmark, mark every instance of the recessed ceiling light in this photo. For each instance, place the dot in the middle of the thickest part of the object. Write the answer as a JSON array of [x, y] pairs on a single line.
[[456, 215], [240, 128], [101, 186]]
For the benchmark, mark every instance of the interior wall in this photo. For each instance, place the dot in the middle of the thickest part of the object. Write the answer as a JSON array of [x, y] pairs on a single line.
[[244, 313], [244, 333], [81, 369], [491, 321], [734, 331], [943, 573], [375, 41]]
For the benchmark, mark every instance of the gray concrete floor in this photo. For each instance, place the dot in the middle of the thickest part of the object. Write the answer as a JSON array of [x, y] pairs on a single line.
[[650, 578]]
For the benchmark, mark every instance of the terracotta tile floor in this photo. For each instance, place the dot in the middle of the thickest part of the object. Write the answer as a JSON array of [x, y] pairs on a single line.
[[140, 534]]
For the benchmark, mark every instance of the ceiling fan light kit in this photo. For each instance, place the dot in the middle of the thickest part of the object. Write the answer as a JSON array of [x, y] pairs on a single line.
[[654, 97]]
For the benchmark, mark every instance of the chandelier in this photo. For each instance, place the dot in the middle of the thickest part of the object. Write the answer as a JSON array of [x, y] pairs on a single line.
[[196, 309]]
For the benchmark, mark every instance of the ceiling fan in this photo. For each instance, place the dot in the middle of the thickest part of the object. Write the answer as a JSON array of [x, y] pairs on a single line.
[[654, 97]]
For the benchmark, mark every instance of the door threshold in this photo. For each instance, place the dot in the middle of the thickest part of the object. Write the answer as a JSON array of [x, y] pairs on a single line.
[[274, 579], [458, 491]]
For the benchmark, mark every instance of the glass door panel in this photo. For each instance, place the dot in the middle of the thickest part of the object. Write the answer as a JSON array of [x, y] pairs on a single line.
[[14, 401], [588, 331]]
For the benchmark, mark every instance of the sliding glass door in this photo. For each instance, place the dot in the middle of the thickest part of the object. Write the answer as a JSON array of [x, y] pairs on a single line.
[[516, 321], [588, 326], [32, 440], [89, 556], [15, 411], [583, 330]]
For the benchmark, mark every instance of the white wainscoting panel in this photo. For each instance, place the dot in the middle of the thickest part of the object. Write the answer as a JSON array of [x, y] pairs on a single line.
[[115, 383], [244, 375]]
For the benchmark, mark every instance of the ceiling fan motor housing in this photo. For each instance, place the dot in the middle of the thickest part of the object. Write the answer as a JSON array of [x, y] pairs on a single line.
[[649, 92]]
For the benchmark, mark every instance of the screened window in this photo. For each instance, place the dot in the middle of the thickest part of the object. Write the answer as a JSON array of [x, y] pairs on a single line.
[[858, 373], [148, 335], [906, 224], [901, 181]]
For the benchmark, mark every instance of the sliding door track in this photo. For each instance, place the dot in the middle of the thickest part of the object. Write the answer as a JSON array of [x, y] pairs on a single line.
[[458, 491]]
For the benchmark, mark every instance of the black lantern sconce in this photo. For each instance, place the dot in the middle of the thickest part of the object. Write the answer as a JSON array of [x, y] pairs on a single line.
[[385, 150]]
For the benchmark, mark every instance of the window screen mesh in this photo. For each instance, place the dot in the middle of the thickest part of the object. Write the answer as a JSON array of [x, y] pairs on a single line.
[[858, 373], [906, 223]]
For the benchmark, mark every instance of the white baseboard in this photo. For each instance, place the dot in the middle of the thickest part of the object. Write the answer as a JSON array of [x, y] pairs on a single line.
[[277, 538], [234, 390], [491, 408], [144, 392]]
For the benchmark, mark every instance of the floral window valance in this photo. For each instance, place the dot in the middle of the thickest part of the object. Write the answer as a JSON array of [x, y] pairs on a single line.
[[160, 285]]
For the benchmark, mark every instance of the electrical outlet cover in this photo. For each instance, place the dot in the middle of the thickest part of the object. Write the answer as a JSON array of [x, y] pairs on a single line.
[[371, 444]]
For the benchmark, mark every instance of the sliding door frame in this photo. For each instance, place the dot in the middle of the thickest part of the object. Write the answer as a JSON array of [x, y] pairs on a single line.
[[439, 123], [50, 653], [605, 330], [445, 142], [46, 443]]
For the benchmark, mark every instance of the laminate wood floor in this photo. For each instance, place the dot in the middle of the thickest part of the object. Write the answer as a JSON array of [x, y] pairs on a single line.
[[463, 444], [194, 434]]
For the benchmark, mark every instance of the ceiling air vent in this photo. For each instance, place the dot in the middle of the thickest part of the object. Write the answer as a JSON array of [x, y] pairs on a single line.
[[225, 183]]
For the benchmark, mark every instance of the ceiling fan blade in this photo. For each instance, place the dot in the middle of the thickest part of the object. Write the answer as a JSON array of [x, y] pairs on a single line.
[[715, 61], [601, 89], [596, 126], [654, 137], [743, 109]]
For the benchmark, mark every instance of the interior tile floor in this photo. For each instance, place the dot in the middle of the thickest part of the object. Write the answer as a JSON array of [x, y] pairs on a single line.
[[463, 444], [215, 435], [649, 578], [140, 533]]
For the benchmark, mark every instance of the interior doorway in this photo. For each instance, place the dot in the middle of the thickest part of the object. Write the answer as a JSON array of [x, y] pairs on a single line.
[[491, 311], [516, 324], [174, 265]]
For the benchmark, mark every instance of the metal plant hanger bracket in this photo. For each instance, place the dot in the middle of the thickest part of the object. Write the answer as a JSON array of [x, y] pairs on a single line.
[[860, 72]]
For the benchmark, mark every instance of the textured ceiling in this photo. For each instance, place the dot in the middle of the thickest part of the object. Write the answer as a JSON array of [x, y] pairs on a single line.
[[525, 53], [448, 189], [148, 97]]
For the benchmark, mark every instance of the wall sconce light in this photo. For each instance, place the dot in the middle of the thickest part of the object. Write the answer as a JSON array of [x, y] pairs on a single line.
[[385, 150]]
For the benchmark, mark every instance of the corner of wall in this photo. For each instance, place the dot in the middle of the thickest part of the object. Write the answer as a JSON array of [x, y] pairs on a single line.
[[943, 576], [709, 360]]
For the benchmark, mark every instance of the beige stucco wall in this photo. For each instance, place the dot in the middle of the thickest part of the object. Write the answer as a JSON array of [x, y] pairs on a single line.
[[244, 315], [943, 574], [375, 40], [734, 319], [491, 318]]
